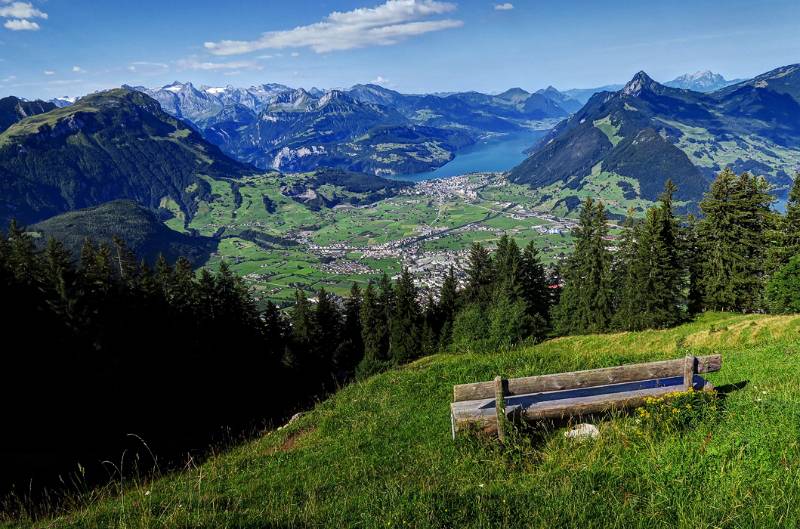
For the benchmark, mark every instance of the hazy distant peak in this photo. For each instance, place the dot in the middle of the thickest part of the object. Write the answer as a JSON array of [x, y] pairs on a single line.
[[700, 81]]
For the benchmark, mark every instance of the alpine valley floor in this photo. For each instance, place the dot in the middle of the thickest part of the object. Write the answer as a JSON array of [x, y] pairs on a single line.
[[273, 231]]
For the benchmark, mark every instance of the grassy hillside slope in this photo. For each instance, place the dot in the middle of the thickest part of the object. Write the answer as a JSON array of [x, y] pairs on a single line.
[[379, 453]]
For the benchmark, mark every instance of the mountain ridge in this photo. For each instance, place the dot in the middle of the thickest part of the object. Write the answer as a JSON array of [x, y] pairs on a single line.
[[645, 133], [108, 145]]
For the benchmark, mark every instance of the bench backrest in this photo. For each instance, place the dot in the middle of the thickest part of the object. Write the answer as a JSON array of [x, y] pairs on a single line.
[[586, 379]]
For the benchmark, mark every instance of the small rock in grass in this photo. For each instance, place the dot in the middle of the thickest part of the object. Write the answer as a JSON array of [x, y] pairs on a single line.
[[294, 418], [583, 431]]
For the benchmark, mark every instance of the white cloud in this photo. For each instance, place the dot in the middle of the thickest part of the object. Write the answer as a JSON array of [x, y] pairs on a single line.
[[194, 64], [20, 10], [148, 68], [295, 54], [379, 80], [21, 25], [507, 6], [383, 25], [18, 15], [78, 69], [49, 72]]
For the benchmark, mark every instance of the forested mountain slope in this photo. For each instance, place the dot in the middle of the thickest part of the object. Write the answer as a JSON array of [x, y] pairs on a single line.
[[109, 145]]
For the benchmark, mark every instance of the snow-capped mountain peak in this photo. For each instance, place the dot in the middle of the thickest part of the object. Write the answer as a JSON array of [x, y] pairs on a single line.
[[701, 81]]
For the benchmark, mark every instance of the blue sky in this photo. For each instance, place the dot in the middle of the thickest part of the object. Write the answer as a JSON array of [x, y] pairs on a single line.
[[51, 48]]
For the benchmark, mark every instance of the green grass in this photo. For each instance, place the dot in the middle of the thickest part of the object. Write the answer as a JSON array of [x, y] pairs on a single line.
[[379, 453], [609, 129]]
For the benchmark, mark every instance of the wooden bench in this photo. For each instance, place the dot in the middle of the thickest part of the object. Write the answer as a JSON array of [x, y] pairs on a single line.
[[564, 395]]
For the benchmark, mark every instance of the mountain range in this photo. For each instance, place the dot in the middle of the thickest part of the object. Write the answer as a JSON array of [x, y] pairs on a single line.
[[169, 151], [366, 128], [629, 142]]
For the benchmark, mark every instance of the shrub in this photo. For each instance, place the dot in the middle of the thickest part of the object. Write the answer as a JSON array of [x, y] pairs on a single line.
[[678, 410]]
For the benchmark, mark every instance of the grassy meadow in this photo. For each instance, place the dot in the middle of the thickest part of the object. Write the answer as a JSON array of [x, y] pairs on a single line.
[[379, 452]]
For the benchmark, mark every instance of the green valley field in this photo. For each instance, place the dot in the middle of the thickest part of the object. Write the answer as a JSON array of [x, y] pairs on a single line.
[[379, 452], [328, 236]]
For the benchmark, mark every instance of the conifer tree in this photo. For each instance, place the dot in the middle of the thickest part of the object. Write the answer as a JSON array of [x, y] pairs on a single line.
[[586, 303], [325, 334], [164, 276], [301, 318], [21, 254], [448, 307], [58, 271], [350, 350], [534, 283], [693, 264], [123, 258], [480, 275], [276, 333], [508, 267], [182, 291], [786, 236], [405, 324], [429, 339], [626, 270], [661, 279], [373, 333], [732, 234]]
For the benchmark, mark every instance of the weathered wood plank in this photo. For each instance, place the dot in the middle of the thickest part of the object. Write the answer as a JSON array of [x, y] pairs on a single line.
[[689, 369], [588, 378], [499, 408]]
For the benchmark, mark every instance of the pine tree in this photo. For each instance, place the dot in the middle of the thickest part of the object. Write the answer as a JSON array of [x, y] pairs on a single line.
[[183, 292], [405, 324], [480, 275], [350, 350], [534, 283], [301, 319], [586, 303], [326, 334], [164, 276], [626, 278], [693, 264], [783, 288], [733, 238], [661, 278], [57, 269], [21, 254], [373, 334], [124, 259], [792, 222], [429, 339], [447, 308], [786, 235], [508, 268], [276, 333]]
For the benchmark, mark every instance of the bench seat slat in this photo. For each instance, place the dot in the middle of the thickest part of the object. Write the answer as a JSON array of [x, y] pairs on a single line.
[[585, 379]]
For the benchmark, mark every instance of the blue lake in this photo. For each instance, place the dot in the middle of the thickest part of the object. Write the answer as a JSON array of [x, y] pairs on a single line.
[[780, 205], [495, 154]]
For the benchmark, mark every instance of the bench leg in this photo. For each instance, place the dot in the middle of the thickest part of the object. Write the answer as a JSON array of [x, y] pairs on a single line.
[[689, 370], [500, 408]]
